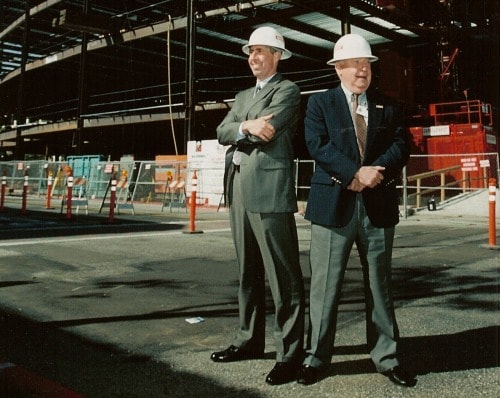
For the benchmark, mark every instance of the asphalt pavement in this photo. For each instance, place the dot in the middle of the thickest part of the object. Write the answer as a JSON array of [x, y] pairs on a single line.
[[134, 306]]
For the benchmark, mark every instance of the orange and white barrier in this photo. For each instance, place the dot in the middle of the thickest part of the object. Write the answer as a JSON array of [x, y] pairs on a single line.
[[492, 230], [70, 199], [18, 381], [123, 181], [2, 196], [175, 194], [192, 202], [112, 199], [69, 196], [50, 180], [25, 192]]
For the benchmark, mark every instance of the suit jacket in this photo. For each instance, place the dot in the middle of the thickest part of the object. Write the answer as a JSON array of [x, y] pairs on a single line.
[[266, 168], [331, 141]]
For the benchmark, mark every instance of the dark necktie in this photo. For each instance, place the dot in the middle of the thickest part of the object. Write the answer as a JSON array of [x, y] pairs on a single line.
[[359, 126], [257, 89]]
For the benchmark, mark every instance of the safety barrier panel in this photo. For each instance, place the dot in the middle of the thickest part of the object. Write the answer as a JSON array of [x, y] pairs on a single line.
[[161, 182], [113, 177], [76, 196], [123, 193], [101, 173], [15, 178], [175, 195], [59, 184]]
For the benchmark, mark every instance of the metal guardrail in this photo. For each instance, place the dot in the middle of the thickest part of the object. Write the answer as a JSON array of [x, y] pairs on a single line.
[[442, 186]]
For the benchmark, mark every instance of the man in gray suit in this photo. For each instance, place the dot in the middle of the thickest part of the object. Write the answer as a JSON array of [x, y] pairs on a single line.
[[260, 128], [359, 144]]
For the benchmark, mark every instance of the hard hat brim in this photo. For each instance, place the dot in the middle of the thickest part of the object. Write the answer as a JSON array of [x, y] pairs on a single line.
[[371, 58], [285, 54]]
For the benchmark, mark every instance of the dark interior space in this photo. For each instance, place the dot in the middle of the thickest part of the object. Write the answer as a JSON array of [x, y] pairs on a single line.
[[132, 80]]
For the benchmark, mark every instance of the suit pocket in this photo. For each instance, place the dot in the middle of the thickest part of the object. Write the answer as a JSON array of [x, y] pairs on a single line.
[[268, 163], [322, 178]]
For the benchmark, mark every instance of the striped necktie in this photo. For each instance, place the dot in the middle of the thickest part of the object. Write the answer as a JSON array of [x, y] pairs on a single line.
[[359, 126]]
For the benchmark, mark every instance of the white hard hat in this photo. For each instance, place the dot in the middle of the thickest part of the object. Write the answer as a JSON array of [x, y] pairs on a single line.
[[267, 36], [351, 46]]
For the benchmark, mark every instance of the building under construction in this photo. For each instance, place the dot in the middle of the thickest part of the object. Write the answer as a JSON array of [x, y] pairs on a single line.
[[138, 78]]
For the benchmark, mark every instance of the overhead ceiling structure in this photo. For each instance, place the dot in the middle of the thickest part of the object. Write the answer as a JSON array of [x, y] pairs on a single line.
[[102, 66]]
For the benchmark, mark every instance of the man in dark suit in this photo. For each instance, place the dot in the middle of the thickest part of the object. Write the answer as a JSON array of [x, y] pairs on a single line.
[[261, 194], [359, 144]]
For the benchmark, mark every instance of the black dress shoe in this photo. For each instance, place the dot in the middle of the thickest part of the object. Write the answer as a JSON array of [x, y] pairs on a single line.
[[400, 377], [307, 375], [283, 372], [233, 353]]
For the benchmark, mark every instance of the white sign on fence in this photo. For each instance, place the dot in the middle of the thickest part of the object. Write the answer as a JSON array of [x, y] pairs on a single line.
[[484, 163], [469, 164], [207, 158]]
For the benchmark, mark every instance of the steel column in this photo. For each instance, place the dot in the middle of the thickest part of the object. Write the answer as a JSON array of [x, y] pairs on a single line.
[[189, 97], [82, 94], [346, 17], [19, 149]]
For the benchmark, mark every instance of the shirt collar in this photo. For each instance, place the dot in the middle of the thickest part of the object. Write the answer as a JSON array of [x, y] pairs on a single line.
[[262, 83], [362, 100]]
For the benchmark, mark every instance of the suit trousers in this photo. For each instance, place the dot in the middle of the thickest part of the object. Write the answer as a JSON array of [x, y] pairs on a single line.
[[330, 250], [266, 244]]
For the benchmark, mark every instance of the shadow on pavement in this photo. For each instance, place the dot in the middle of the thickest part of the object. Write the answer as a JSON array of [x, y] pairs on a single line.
[[37, 224], [103, 370], [99, 370], [467, 350], [470, 349]]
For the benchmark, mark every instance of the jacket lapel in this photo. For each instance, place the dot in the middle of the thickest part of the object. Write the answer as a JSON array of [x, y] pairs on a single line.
[[251, 100], [375, 113], [343, 122], [270, 84], [340, 103]]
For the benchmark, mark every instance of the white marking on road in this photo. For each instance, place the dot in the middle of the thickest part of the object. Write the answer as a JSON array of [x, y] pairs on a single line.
[[79, 238]]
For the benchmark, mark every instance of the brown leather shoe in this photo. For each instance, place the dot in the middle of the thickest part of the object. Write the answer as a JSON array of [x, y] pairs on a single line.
[[233, 353]]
